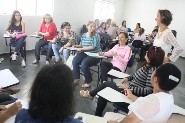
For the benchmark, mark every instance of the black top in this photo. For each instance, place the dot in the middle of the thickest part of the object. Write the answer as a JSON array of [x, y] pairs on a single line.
[[17, 28]]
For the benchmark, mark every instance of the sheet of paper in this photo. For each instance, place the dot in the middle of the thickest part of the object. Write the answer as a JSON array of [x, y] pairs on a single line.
[[6, 36], [7, 78], [12, 119], [113, 95], [71, 48], [36, 36], [94, 55], [118, 74]]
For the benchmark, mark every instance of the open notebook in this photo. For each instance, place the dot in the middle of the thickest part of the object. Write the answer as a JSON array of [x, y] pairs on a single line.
[[117, 74], [7, 78], [115, 96]]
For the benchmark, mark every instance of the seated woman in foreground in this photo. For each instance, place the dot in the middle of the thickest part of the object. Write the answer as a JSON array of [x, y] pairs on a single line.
[[139, 82], [156, 107], [51, 97], [120, 53]]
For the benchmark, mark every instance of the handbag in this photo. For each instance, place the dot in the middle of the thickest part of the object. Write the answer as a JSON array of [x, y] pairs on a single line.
[[69, 61]]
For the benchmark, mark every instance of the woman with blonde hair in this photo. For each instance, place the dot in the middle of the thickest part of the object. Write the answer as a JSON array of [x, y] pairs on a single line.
[[48, 31], [90, 43]]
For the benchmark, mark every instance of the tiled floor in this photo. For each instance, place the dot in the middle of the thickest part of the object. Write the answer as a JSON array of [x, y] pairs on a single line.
[[26, 76]]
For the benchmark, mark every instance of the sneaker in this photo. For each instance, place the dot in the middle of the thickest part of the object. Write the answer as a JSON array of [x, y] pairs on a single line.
[[47, 62], [13, 56], [23, 64]]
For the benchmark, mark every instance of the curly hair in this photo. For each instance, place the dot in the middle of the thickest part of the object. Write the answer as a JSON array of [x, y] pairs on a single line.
[[51, 94], [166, 17]]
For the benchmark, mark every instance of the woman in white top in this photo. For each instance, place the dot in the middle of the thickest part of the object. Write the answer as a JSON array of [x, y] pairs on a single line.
[[156, 107], [165, 38], [140, 36], [122, 27]]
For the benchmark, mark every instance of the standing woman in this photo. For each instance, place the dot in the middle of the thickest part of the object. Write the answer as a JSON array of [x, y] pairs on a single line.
[[16, 24], [165, 38], [90, 43], [48, 30]]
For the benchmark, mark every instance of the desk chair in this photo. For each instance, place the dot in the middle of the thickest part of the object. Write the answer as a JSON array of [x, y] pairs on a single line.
[[137, 44], [13, 44]]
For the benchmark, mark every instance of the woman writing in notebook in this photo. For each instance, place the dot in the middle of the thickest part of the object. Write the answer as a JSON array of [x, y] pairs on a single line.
[[120, 53], [139, 82], [156, 107], [165, 38]]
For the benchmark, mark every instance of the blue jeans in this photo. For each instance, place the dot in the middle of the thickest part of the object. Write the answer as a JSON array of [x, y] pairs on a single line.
[[38, 46], [85, 61], [19, 46], [65, 52]]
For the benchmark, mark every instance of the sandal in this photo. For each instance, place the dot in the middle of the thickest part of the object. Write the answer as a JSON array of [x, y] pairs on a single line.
[[11, 90], [85, 94], [86, 85], [76, 81]]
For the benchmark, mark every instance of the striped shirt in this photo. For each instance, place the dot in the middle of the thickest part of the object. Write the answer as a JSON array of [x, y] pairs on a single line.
[[91, 41], [140, 81]]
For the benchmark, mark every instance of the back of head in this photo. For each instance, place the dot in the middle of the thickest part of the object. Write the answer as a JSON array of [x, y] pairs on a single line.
[[169, 76], [51, 97], [113, 24], [64, 24], [139, 25], [141, 31]]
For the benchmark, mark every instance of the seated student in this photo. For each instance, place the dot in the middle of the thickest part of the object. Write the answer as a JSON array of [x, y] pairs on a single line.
[[51, 97], [139, 81], [120, 53], [156, 107], [152, 36], [108, 23], [122, 27], [138, 36], [6, 113], [112, 30], [65, 39], [48, 30], [90, 43], [97, 22], [101, 28], [136, 30], [17, 25]]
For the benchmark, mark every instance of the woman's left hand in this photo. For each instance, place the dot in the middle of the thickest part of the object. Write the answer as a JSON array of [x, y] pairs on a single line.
[[114, 53], [166, 59], [124, 86], [111, 121]]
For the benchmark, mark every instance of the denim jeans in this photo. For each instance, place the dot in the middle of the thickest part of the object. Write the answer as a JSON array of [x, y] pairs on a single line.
[[19, 46], [65, 52], [38, 46], [85, 61]]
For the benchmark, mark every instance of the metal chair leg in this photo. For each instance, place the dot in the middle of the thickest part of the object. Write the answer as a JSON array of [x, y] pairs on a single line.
[[10, 54]]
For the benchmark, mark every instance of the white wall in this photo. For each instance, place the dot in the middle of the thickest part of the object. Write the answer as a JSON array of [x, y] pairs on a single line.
[[76, 12], [145, 12]]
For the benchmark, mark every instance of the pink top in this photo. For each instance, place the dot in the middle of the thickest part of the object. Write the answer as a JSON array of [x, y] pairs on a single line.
[[137, 37], [122, 59]]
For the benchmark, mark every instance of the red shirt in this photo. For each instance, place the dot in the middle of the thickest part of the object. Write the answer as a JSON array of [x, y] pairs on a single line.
[[51, 29]]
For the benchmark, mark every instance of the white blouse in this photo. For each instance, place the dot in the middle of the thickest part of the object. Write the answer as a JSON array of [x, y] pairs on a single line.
[[123, 29], [166, 41], [154, 108]]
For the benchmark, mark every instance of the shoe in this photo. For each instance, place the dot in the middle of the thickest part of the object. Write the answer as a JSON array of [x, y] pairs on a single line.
[[57, 61], [13, 56], [86, 85], [11, 90], [47, 62], [23, 63], [76, 81], [35, 61], [85, 94]]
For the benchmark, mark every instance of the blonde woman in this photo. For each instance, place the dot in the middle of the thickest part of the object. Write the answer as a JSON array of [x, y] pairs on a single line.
[[48, 30], [90, 43]]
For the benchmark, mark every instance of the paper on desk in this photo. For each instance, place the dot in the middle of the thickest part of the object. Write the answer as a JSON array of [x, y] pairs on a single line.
[[7, 78], [36, 36], [71, 48], [118, 74], [113, 95], [6, 36], [12, 119], [95, 55]]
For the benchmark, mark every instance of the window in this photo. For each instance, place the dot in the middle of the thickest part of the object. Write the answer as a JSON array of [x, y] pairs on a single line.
[[27, 7], [104, 10]]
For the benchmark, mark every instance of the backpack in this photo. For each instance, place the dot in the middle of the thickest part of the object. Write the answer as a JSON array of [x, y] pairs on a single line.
[[105, 38]]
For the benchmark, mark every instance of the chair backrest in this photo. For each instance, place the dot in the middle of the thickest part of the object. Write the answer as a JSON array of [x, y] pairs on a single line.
[[128, 29], [105, 38], [131, 61], [78, 39], [137, 43]]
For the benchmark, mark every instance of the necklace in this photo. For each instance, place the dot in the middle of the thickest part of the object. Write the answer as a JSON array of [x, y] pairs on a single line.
[[161, 33]]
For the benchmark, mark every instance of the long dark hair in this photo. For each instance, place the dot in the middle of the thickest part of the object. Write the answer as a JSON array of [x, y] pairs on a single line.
[[13, 20], [139, 25], [123, 23], [51, 95], [141, 31], [101, 25], [156, 57]]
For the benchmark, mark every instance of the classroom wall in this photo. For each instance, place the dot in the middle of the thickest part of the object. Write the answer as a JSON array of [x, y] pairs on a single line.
[[76, 12], [145, 12]]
